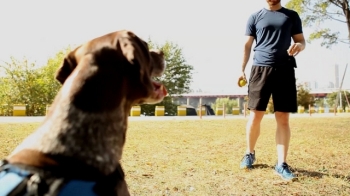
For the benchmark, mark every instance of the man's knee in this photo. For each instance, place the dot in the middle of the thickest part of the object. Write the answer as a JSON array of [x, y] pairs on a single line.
[[282, 118], [256, 116]]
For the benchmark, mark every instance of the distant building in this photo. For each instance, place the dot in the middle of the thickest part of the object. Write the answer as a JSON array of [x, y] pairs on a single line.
[[331, 85], [314, 85]]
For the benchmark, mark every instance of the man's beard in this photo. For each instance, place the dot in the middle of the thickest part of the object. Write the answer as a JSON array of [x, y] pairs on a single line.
[[274, 2]]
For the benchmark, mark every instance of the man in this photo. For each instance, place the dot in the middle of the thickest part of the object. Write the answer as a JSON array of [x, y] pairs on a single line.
[[273, 74]]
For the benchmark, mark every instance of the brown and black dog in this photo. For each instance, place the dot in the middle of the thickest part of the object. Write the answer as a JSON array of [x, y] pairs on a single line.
[[84, 132]]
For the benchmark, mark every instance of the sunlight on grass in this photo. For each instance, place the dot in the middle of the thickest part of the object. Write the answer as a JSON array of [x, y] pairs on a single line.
[[201, 157], [12, 134]]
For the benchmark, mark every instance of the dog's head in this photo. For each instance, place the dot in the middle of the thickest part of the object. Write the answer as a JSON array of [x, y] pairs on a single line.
[[118, 66]]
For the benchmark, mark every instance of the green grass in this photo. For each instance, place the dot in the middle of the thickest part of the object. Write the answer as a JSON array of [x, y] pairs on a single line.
[[201, 157]]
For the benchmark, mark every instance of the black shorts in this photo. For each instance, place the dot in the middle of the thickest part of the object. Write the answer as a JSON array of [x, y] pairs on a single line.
[[279, 82]]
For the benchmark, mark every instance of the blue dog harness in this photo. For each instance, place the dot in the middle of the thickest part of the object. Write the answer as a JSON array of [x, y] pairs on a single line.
[[18, 181], [11, 178]]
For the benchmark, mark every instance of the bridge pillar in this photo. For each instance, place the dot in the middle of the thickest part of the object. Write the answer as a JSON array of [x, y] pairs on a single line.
[[240, 103]]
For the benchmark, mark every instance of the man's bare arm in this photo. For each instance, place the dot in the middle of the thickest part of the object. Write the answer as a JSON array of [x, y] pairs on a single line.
[[247, 50], [298, 46], [299, 38]]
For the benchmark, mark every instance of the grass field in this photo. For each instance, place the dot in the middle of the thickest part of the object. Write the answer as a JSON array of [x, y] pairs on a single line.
[[201, 157]]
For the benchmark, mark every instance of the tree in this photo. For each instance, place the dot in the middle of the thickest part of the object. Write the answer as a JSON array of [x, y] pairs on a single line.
[[26, 83], [317, 12], [229, 104], [304, 98], [176, 78], [20, 85], [49, 83], [332, 97], [270, 107], [5, 108], [319, 102]]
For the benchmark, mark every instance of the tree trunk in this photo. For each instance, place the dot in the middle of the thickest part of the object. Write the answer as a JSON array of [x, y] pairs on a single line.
[[346, 10]]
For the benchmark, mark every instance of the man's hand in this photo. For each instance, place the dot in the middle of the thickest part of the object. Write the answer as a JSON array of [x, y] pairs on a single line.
[[294, 49], [242, 77]]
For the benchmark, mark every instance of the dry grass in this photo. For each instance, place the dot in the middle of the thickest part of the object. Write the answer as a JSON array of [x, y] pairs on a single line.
[[201, 157]]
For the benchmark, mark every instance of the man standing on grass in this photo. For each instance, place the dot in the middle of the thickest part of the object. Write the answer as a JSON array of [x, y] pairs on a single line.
[[273, 74]]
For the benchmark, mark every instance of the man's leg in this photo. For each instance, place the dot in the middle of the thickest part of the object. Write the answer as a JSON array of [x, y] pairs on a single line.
[[282, 144], [282, 136], [259, 92], [285, 102], [253, 129], [252, 135]]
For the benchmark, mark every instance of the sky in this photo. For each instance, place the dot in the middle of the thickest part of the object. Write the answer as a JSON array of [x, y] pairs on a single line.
[[210, 33]]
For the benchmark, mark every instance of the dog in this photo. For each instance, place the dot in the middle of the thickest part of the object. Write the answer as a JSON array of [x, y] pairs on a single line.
[[83, 135]]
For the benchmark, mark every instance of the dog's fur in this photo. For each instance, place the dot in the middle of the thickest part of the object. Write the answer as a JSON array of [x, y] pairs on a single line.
[[102, 79]]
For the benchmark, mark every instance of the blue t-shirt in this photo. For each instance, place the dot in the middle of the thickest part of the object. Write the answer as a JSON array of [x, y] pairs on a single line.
[[272, 31]]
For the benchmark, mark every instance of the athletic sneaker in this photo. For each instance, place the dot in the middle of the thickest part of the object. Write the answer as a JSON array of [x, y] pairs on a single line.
[[284, 171], [247, 161]]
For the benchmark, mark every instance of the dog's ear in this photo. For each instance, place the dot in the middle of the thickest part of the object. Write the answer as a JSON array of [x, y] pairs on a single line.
[[68, 65]]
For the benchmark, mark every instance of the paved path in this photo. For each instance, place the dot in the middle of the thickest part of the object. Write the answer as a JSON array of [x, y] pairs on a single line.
[[30, 119]]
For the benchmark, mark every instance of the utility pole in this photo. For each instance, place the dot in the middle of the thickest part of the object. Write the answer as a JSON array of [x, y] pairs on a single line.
[[339, 93]]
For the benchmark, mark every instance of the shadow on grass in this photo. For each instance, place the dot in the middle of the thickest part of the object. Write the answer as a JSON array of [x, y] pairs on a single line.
[[262, 166], [315, 174], [305, 173]]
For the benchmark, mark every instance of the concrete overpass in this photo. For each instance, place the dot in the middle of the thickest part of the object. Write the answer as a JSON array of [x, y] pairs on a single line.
[[208, 98]]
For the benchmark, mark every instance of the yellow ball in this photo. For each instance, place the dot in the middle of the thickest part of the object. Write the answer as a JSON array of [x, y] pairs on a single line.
[[242, 82]]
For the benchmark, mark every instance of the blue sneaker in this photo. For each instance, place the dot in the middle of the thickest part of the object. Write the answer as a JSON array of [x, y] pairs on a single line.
[[284, 171], [247, 161]]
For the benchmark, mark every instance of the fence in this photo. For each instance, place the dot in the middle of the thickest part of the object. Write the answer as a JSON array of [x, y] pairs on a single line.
[[20, 110]]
